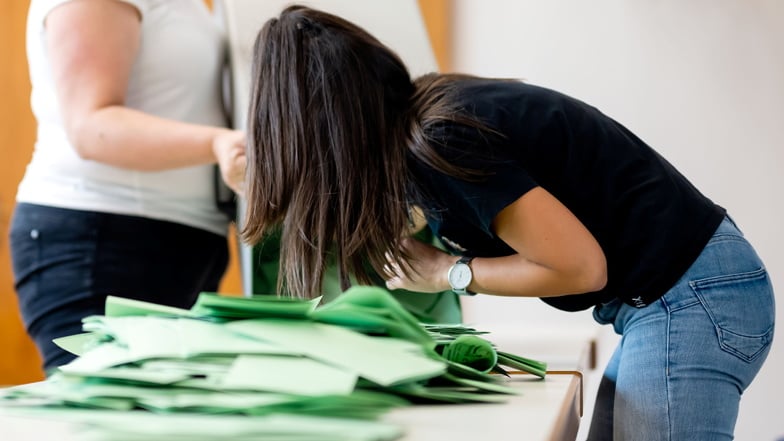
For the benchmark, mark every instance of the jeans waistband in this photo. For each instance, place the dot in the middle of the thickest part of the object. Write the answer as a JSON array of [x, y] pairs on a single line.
[[605, 313]]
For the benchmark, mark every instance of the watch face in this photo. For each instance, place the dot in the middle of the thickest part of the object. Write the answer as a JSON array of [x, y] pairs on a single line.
[[460, 276]]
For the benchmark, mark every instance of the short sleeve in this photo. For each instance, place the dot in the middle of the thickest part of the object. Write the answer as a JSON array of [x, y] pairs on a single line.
[[42, 8], [481, 200], [478, 199], [143, 6]]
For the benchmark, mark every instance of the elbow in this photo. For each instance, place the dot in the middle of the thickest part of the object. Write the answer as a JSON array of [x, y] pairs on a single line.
[[594, 276], [593, 273], [82, 152], [585, 275], [597, 280], [75, 130]]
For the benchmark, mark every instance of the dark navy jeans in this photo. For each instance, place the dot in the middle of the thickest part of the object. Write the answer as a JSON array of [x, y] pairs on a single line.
[[66, 262]]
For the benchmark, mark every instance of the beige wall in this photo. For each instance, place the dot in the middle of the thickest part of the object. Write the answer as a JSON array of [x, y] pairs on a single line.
[[438, 19], [701, 80], [19, 362]]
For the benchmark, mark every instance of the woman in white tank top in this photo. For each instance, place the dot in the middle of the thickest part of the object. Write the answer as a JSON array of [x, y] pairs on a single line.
[[119, 197]]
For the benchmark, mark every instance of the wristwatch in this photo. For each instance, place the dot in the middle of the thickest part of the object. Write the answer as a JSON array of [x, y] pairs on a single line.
[[460, 276]]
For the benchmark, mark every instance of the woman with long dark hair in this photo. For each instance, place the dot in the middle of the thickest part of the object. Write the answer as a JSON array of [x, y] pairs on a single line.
[[534, 193]]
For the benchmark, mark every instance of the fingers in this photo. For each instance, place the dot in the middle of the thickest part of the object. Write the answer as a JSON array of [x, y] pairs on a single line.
[[236, 179], [229, 149], [396, 283], [395, 277], [392, 272], [392, 269], [421, 272]]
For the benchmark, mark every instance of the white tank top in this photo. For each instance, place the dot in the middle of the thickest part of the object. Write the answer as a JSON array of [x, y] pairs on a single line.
[[177, 75]]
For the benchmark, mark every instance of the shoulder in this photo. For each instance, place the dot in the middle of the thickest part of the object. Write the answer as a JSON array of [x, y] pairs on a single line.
[[473, 89], [143, 6], [508, 107], [40, 9], [499, 102]]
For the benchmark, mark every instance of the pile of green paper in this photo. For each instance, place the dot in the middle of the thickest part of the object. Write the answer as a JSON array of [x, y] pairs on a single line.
[[275, 358]]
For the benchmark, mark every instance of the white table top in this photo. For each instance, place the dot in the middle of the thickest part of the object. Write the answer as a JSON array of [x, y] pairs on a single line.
[[545, 410]]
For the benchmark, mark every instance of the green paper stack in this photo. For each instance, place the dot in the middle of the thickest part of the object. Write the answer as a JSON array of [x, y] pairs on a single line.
[[268, 357]]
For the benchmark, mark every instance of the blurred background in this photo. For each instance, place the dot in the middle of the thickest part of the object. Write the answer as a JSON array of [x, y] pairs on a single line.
[[702, 81]]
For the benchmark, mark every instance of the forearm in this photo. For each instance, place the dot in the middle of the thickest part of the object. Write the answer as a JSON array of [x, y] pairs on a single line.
[[128, 138], [515, 276]]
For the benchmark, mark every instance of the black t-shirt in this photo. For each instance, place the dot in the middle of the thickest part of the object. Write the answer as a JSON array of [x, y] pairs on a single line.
[[649, 220]]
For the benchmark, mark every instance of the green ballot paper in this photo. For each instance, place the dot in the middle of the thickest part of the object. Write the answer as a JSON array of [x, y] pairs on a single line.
[[472, 351], [334, 367]]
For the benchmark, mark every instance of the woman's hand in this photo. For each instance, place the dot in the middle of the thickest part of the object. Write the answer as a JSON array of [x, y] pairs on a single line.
[[229, 149], [426, 270]]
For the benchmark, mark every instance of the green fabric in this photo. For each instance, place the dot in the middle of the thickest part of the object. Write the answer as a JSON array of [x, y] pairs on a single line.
[[443, 307]]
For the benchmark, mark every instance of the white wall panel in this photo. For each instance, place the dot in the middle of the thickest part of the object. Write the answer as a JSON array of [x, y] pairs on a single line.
[[702, 81]]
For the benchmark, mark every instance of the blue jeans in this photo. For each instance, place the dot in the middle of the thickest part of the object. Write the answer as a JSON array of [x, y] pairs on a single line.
[[67, 261], [683, 361]]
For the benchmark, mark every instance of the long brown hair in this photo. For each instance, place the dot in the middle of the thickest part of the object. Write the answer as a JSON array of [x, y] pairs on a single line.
[[334, 117]]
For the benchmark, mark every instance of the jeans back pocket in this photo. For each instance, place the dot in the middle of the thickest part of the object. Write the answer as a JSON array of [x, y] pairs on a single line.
[[742, 309]]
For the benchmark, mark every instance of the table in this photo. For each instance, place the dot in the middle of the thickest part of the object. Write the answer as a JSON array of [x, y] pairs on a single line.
[[545, 410], [563, 348]]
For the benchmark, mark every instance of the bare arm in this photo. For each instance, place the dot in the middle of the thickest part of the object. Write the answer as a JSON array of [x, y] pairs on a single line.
[[92, 46], [556, 255]]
